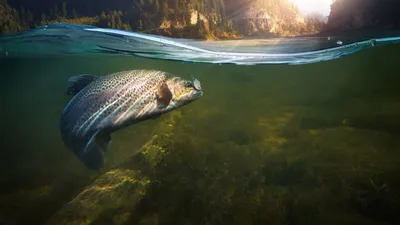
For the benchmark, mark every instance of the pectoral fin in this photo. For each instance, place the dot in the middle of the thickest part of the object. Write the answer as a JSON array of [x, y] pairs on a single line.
[[92, 154], [104, 141], [163, 95]]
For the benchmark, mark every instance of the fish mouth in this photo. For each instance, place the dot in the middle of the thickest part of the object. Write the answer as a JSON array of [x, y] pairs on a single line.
[[198, 94]]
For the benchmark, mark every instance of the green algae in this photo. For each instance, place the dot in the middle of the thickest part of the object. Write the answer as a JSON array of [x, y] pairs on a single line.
[[114, 194], [312, 144]]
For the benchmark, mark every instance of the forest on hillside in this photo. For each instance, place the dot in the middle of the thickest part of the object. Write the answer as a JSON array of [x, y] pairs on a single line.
[[348, 15], [177, 18], [205, 19]]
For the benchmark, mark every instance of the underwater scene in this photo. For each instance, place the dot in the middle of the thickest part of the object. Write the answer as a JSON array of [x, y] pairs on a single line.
[[300, 130]]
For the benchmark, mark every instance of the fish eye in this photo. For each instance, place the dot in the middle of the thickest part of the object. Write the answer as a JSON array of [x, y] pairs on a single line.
[[188, 84]]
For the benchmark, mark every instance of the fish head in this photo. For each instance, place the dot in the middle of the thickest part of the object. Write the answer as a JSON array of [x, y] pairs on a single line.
[[184, 91]]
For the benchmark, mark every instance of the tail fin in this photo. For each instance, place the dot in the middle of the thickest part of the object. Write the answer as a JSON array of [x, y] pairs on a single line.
[[77, 83]]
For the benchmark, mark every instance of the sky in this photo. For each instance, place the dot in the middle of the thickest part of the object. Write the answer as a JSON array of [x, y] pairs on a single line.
[[308, 6]]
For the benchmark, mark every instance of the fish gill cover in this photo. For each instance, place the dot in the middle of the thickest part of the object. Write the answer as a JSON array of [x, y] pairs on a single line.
[[64, 38]]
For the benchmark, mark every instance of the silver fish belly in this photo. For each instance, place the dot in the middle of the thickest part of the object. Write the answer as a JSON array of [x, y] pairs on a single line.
[[102, 105]]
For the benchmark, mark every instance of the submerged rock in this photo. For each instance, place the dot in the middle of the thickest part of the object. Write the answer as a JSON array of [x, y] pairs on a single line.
[[112, 197]]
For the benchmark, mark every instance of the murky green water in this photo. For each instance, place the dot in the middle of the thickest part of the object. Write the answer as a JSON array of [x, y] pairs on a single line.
[[308, 144]]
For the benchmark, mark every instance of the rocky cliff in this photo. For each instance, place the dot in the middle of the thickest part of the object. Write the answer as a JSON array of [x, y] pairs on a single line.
[[267, 18]]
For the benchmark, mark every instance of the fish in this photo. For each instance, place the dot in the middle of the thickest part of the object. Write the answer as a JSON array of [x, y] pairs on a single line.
[[102, 105]]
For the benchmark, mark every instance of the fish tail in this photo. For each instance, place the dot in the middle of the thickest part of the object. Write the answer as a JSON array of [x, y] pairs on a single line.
[[77, 83]]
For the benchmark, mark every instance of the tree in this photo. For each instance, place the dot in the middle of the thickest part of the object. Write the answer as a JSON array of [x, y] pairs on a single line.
[[64, 10], [29, 18], [74, 14], [177, 11], [140, 27], [23, 17], [315, 22], [164, 11], [56, 15], [186, 14], [43, 18], [223, 18], [198, 19], [156, 6], [22, 11], [211, 24]]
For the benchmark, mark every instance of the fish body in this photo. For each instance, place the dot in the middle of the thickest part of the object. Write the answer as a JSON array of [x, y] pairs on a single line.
[[105, 104]]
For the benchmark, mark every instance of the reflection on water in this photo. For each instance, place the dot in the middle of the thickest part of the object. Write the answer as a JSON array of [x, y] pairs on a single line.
[[305, 144]]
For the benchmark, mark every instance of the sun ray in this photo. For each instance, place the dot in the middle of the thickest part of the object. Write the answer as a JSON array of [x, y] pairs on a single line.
[[310, 6]]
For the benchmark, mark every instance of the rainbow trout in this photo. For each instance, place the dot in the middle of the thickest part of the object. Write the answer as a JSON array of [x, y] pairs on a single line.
[[102, 105]]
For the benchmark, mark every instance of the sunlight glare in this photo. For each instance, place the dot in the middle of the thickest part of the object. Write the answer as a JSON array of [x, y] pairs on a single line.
[[309, 6]]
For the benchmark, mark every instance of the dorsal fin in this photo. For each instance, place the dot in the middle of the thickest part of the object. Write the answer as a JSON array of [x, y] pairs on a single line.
[[77, 83]]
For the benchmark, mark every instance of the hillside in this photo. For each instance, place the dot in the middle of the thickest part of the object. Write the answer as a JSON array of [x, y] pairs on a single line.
[[267, 18], [205, 19], [350, 15]]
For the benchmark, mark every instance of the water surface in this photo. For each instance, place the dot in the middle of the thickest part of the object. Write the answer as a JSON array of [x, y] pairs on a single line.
[[64, 39]]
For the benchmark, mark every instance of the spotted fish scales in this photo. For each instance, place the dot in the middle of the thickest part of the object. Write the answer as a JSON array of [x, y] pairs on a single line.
[[102, 105]]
